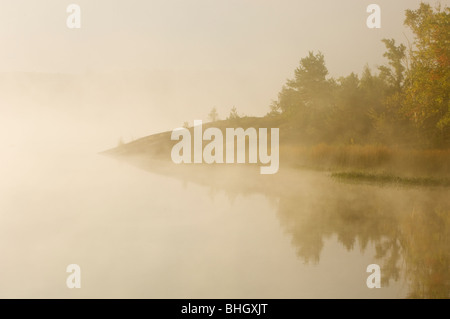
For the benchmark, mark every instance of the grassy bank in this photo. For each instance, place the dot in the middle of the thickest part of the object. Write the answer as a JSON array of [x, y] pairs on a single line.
[[373, 160], [379, 163], [383, 179]]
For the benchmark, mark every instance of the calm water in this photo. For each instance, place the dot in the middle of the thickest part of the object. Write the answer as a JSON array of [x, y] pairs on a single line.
[[225, 232]]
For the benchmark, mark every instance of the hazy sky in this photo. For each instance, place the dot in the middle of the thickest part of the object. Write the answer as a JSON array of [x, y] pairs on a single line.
[[182, 34], [209, 53]]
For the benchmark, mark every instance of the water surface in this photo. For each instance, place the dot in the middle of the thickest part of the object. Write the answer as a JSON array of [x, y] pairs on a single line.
[[211, 232]]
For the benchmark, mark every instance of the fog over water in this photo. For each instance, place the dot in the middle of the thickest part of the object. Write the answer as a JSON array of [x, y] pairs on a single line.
[[163, 232], [173, 233]]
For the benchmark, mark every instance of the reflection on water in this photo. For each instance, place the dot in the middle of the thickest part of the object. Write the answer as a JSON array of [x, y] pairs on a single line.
[[408, 227], [212, 231]]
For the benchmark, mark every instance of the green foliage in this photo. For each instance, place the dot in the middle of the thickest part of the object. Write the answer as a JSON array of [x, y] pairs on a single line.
[[394, 74], [309, 87], [233, 114], [426, 95], [275, 109], [384, 179], [213, 115], [306, 100], [405, 103]]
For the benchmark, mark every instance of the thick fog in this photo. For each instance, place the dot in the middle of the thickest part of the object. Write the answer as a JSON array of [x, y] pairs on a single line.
[[140, 67], [144, 67]]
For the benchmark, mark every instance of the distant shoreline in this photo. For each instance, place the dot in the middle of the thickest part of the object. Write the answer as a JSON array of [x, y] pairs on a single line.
[[379, 164]]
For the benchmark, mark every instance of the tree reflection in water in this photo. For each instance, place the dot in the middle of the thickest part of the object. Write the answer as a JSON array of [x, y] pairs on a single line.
[[409, 231], [409, 227]]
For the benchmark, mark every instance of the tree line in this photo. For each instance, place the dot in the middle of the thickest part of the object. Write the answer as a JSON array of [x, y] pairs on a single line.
[[405, 102]]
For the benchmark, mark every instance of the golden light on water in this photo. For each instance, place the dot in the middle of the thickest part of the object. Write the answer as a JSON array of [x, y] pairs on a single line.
[[140, 226]]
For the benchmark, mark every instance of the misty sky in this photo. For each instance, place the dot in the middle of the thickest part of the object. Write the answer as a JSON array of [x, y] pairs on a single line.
[[212, 53], [256, 36]]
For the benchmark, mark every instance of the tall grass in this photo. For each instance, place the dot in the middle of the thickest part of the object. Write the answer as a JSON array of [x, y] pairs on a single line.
[[383, 179], [373, 158]]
